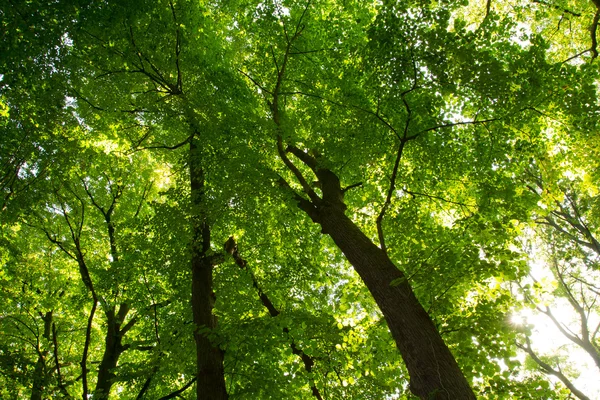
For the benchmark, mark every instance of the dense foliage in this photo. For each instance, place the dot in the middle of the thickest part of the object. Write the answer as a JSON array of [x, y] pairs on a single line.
[[196, 194]]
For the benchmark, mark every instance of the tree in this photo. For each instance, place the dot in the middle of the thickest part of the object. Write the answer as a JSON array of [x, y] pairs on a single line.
[[193, 139], [565, 238]]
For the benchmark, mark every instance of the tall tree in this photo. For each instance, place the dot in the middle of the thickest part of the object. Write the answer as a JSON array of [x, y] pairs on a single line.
[[398, 128]]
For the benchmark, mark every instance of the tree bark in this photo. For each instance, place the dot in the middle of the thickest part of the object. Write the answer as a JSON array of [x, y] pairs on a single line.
[[434, 373], [112, 351], [210, 373]]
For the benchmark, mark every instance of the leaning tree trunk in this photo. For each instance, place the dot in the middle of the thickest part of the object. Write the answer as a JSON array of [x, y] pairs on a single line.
[[210, 374], [434, 373]]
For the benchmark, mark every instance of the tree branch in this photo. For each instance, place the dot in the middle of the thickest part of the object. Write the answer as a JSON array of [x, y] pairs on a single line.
[[308, 361], [557, 7], [547, 368], [179, 391], [593, 34]]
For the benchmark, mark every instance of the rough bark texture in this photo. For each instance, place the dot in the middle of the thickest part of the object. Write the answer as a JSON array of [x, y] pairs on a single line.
[[210, 375], [434, 373]]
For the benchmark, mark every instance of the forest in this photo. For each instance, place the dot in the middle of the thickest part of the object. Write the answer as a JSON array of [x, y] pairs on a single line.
[[299, 199]]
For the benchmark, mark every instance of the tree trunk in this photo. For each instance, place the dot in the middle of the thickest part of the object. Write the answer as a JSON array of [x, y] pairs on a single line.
[[434, 373], [39, 377], [40, 374], [112, 351], [210, 374]]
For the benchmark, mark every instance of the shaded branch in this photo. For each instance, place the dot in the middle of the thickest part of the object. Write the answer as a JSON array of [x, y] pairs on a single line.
[[156, 77], [87, 280], [81, 97], [59, 383], [388, 198], [405, 138], [179, 391], [557, 7], [430, 196], [308, 361], [354, 185], [166, 147], [375, 114], [262, 88], [304, 204], [177, 47], [551, 222]]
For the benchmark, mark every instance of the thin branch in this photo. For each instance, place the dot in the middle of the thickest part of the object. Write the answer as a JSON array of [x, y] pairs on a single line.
[[430, 196], [59, 383], [262, 88], [354, 185], [375, 114], [166, 147], [450, 125], [299, 25], [575, 56], [35, 334], [550, 222], [302, 52], [59, 244], [85, 276], [179, 391], [86, 347], [557, 7], [561, 327], [275, 58], [81, 97], [147, 383], [177, 47], [308, 361], [593, 32], [405, 138], [590, 286], [388, 198], [277, 119], [143, 197], [547, 368], [583, 227], [157, 77]]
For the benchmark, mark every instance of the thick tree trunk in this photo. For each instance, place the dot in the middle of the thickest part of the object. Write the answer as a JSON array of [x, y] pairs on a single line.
[[434, 373], [210, 374]]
